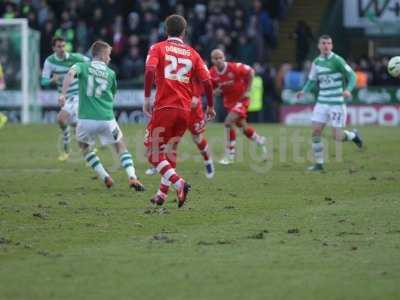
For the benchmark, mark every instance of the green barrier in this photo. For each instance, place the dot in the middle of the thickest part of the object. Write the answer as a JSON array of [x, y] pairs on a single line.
[[256, 94]]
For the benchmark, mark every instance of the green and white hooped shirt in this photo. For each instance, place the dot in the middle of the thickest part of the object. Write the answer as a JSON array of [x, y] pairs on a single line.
[[331, 75], [55, 65]]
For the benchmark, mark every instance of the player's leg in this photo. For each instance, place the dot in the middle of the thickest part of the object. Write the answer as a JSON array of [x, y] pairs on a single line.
[[174, 136], [168, 175], [319, 119], [63, 119], [252, 135], [127, 163], [85, 132], [197, 128], [338, 115], [230, 139], [110, 134], [317, 146], [202, 144], [165, 125]]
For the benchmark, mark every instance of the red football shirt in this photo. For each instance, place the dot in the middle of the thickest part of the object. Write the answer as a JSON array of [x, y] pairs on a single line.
[[233, 82], [176, 65]]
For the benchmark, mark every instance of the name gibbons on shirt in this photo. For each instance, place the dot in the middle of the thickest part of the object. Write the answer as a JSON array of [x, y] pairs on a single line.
[[177, 50], [98, 73]]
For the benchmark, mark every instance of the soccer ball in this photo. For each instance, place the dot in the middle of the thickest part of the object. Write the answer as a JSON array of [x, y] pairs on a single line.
[[394, 66]]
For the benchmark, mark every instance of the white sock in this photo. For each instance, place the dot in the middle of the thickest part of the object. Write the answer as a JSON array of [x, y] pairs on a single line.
[[101, 171], [318, 150], [127, 164], [93, 160], [165, 181], [208, 162], [350, 135]]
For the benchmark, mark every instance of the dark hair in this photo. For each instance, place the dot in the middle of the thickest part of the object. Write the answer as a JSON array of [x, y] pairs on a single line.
[[57, 39], [98, 47], [324, 37], [175, 25]]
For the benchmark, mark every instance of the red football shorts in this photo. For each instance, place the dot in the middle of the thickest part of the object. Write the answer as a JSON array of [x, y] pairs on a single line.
[[197, 124], [166, 126], [240, 108]]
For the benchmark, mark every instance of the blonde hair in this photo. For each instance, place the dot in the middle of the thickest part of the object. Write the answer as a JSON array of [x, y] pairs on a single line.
[[98, 47]]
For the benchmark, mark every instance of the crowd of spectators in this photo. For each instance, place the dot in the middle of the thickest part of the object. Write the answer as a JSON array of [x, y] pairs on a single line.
[[247, 30]]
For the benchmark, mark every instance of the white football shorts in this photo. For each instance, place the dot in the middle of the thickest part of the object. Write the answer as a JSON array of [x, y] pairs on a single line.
[[107, 131], [71, 107], [334, 115]]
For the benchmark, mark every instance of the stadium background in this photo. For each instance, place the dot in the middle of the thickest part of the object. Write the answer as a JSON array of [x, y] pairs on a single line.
[[276, 37]]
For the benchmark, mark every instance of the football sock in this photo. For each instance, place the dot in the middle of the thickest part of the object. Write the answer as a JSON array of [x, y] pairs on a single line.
[[65, 133], [348, 135], [93, 160], [250, 133], [168, 172], [127, 164], [230, 141], [164, 188], [318, 149], [203, 148]]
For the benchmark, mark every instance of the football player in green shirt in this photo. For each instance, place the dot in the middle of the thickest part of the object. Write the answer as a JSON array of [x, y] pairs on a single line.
[[55, 68], [334, 80], [97, 89]]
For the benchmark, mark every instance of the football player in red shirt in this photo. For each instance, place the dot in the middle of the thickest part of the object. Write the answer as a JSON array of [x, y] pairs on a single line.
[[173, 66], [234, 80], [197, 127]]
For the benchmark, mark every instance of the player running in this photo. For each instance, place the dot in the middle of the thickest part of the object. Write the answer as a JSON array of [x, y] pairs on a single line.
[[97, 89], [197, 127], [55, 68], [335, 80], [234, 81], [173, 65]]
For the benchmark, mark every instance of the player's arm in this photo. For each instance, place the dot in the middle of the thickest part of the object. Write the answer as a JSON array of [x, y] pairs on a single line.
[[203, 75], [74, 70], [149, 75], [311, 82], [47, 78], [350, 77]]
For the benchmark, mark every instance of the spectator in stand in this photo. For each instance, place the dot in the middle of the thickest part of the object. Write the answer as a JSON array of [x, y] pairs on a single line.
[[246, 50], [67, 31], [82, 36], [304, 38], [119, 39], [262, 27], [132, 64], [46, 40], [10, 11], [133, 23]]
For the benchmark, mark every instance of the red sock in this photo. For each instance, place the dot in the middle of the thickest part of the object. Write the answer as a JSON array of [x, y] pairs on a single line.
[[164, 188], [167, 171], [231, 140], [249, 132], [203, 147]]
